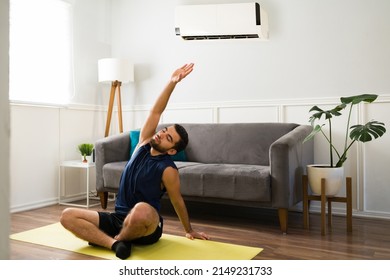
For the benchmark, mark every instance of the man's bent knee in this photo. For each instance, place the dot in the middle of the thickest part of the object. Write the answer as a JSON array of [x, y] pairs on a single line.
[[144, 211], [143, 214], [66, 216], [70, 215]]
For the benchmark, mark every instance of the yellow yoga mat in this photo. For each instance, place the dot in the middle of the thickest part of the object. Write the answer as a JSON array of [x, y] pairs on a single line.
[[169, 247]]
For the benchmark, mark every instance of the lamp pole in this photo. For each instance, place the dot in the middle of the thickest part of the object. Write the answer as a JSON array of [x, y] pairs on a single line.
[[114, 86]]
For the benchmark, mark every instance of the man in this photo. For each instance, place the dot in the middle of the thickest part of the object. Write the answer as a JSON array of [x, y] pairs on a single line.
[[148, 174]]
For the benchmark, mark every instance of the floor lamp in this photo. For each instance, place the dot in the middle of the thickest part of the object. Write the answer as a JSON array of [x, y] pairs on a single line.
[[116, 71]]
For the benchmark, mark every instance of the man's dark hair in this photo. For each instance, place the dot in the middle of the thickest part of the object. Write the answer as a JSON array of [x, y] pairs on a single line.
[[182, 143]]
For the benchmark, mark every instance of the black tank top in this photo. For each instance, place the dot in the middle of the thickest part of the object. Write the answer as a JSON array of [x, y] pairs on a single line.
[[141, 180]]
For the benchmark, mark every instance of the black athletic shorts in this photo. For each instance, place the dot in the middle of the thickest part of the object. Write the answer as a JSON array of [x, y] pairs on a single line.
[[111, 224]]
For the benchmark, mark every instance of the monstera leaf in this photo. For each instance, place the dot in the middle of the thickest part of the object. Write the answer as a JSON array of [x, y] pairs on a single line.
[[369, 98], [326, 113], [367, 132]]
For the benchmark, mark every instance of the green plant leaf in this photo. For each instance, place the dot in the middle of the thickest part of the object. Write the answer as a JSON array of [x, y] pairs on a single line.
[[367, 132], [326, 113], [358, 98], [315, 130], [85, 149]]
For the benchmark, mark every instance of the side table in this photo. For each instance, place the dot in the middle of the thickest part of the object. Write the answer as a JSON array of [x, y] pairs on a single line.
[[71, 201], [326, 199]]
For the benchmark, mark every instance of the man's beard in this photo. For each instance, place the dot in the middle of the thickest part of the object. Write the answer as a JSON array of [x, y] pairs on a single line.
[[157, 147]]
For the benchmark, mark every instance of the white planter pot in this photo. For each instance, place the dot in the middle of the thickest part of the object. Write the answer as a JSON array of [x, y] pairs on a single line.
[[88, 158], [334, 178]]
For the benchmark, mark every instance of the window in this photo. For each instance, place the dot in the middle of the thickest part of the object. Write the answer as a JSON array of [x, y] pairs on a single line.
[[41, 59]]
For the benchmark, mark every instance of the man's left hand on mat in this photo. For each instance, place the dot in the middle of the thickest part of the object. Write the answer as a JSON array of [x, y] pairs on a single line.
[[198, 235]]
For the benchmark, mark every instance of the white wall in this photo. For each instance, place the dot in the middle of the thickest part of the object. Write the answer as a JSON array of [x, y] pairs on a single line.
[[316, 53], [42, 137], [4, 131], [316, 49]]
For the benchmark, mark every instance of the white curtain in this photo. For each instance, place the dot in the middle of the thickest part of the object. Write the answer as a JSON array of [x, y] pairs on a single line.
[[41, 51]]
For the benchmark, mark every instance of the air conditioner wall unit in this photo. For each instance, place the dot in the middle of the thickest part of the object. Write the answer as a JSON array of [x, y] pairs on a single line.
[[221, 21]]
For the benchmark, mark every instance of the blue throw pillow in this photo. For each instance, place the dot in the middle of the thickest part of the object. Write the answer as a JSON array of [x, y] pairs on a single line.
[[134, 139], [180, 156]]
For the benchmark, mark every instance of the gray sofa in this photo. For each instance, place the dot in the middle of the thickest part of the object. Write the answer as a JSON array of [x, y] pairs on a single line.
[[244, 164]]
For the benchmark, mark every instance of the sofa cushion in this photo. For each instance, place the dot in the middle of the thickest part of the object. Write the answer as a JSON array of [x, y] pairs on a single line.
[[227, 181]]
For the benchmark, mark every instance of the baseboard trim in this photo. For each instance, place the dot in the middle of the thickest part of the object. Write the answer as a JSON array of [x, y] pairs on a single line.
[[34, 205]]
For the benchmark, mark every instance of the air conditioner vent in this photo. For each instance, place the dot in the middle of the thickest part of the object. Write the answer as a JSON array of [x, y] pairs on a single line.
[[221, 37]]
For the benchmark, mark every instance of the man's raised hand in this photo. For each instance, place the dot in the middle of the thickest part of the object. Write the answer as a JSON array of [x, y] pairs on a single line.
[[182, 72]]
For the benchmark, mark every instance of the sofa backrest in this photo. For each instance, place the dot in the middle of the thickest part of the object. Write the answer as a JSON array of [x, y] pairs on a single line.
[[235, 143]]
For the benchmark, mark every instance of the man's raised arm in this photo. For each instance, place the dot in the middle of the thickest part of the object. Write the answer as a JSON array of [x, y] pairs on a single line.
[[150, 125]]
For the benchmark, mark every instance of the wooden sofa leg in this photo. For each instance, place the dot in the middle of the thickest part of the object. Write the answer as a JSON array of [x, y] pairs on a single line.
[[283, 219], [103, 199]]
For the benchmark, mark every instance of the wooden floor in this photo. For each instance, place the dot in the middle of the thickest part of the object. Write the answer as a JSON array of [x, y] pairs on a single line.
[[369, 240]]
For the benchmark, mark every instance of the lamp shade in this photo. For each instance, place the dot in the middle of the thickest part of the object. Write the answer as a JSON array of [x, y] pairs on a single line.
[[114, 69]]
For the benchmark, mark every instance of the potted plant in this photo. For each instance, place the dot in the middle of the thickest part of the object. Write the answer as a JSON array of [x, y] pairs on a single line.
[[85, 151], [358, 132]]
